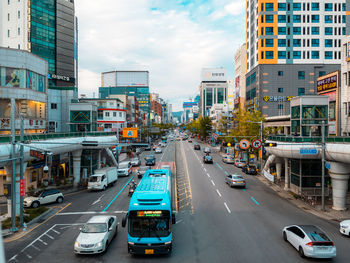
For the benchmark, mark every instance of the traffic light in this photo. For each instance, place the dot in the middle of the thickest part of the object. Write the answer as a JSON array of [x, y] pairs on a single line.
[[270, 144]]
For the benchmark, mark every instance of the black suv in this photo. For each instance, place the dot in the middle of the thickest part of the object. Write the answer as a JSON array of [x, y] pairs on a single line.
[[150, 160], [197, 147]]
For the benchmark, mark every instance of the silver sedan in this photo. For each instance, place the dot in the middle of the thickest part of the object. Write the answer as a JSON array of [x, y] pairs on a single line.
[[235, 180]]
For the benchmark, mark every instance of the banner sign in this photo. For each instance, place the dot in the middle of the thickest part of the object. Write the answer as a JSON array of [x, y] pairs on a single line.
[[129, 132], [269, 176], [277, 98], [327, 82], [22, 187], [37, 154]]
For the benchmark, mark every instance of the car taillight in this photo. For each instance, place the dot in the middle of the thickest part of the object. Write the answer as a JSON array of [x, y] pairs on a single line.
[[310, 244]]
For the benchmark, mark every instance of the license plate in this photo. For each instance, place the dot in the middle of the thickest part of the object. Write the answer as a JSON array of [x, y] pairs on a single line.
[[149, 251], [322, 248], [240, 182]]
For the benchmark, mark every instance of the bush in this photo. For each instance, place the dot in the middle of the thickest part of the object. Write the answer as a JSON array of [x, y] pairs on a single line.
[[31, 213]]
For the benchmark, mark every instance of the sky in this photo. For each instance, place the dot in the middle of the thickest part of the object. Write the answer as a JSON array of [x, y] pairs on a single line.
[[172, 39]]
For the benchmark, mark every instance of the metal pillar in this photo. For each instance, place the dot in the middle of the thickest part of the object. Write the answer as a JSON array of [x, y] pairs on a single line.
[[21, 170], [323, 162], [13, 156]]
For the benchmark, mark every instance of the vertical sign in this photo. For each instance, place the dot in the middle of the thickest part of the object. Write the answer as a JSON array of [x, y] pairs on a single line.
[[22, 187]]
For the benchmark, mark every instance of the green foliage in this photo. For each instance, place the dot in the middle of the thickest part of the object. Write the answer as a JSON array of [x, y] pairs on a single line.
[[202, 126]]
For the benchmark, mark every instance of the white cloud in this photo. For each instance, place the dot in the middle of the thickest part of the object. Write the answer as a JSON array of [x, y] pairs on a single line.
[[235, 7], [129, 35]]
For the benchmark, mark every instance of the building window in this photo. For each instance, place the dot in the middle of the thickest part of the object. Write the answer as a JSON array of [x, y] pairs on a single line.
[[328, 19], [19, 46], [281, 19], [315, 18], [8, 17], [344, 31], [269, 7], [301, 91], [8, 33], [297, 18], [315, 42], [321, 73], [297, 30], [315, 6], [53, 106], [114, 114], [301, 74], [297, 6], [280, 90], [269, 42], [328, 7], [280, 73], [315, 54], [19, 14], [328, 31], [282, 42], [19, 31], [120, 114], [297, 42], [282, 55], [269, 54], [328, 55], [297, 54], [328, 43], [106, 114], [282, 31], [315, 30], [282, 6], [268, 18], [268, 30]]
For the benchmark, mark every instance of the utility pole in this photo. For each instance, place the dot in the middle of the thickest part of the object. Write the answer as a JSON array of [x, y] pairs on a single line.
[[21, 169], [13, 156], [323, 162], [262, 143]]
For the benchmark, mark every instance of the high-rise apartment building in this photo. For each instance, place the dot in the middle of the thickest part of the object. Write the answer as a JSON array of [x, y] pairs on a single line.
[[48, 29], [239, 76], [289, 44], [213, 88]]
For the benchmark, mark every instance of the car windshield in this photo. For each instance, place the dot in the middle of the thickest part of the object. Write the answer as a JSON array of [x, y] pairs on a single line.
[[93, 179], [123, 165], [38, 193], [149, 226], [94, 228], [237, 177]]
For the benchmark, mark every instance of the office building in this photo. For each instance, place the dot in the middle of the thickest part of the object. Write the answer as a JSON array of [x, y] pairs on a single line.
[[48, 29], [289, 44], [345, 87], [239, 76], [213, 88]]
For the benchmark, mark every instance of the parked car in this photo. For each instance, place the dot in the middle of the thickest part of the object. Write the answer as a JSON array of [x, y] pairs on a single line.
[[124, 168], [235, 180], [158, 150], [135, 162], [249, 169], [309, 241], [150, 160], [197, 147], [228, 159], [239, 163], [190, 140], [96, 235], [43, 197], [345, 227], [207, 150], [141, 171], [207, 159], [102, 178]]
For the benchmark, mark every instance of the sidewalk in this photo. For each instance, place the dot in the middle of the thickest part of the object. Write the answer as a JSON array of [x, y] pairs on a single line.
[[329, 214]]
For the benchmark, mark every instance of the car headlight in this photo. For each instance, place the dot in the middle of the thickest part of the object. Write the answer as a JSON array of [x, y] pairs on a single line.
[[99, 244], [76, 244], [344, 227]]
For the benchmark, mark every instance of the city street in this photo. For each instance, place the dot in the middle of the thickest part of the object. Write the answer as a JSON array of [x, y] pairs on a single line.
[[218, 224]]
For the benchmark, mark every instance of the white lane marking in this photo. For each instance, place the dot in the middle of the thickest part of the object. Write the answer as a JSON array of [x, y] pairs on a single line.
[[13, 258], [212, 182], [36, 248], [42, 241], [28, 256], [218, 192], [205, 169], [228, 209], [177, 222], [55, 231], [49, 236], [208, 175], [98, 200]]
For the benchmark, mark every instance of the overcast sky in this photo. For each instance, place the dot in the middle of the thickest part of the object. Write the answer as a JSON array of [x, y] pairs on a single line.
[[172, 39]]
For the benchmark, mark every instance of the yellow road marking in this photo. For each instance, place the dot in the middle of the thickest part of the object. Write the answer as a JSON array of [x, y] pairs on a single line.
[[27, 232]]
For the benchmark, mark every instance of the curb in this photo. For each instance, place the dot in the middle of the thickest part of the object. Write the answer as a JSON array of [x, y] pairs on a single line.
[[297, 203]]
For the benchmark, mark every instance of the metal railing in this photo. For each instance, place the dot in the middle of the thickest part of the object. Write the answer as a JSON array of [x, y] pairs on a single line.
[[47, 136], [308, 139]]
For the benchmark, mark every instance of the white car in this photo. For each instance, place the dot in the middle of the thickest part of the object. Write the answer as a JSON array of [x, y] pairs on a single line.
[[310, 241], [124, 168], [43, 197], [96, 235], [345, 227], [158, 150]]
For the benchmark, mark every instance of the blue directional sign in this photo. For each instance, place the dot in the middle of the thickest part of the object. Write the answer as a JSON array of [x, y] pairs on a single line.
[[328, 165], [310, 151]]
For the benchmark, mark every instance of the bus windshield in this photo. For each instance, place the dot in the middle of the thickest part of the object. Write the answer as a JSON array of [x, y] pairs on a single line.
[[149, 225]]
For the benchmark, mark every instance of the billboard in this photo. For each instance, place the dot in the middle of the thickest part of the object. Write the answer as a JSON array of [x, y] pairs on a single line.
[[129, 132], [214, 74], [327, 82], [109, 79], [348, 52], [189, 104], [132, 79]]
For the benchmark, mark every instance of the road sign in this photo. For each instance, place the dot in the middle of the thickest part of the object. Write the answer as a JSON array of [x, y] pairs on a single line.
[[129, 132], [308, 151], [328, 165], [22, 187], [215, 136], [256, 144], [37, 154], [244, 144]]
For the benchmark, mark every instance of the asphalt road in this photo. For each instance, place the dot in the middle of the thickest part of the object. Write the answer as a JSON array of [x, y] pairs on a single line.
[[218, 223]]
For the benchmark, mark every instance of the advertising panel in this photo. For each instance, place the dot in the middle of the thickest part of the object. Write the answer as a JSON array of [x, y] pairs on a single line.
[[214, 74], [348, 52], [129, 132], [14, 78], [189, 104], [109, 79], [132, 78], [327, 82]]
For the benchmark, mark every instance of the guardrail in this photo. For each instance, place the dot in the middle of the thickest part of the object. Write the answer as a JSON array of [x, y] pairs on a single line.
[[308, 139], [47, 136]]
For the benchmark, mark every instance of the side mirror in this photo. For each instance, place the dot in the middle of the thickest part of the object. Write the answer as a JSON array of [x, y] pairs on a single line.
[[173, 219], [124, 220], [110, 229], [80, 228]]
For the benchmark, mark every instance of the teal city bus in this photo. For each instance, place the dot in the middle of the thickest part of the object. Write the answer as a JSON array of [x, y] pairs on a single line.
[[150, 216]]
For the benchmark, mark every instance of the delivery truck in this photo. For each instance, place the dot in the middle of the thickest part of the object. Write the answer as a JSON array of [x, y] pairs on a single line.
[[102, 178]]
